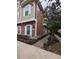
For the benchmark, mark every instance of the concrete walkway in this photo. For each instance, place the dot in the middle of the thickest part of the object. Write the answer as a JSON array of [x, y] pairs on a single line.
[[25, 51], [41, 42]]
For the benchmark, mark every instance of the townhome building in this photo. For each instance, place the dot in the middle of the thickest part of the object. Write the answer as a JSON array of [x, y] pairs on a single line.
[[29, 19]]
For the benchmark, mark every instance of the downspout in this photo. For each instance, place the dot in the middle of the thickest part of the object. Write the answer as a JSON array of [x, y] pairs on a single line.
[[36, 19]]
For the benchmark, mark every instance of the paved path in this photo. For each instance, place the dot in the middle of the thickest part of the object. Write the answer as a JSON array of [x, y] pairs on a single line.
[[25, 51], [41, 42]]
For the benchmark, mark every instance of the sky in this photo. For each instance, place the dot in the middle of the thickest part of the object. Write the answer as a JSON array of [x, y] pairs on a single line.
[[45, 3]]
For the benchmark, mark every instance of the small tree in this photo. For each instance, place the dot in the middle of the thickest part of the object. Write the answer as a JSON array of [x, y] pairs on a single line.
[[53, 19]]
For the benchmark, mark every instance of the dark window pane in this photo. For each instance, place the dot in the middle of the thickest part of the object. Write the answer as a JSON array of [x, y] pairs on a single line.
[[26, 13], [28, 29], [18, 29]]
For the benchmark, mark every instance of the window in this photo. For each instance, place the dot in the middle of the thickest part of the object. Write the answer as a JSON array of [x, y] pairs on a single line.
[[19, 30], [27, 10], [28, 30]]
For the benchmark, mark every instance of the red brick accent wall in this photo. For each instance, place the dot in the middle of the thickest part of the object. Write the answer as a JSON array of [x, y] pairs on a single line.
[[40, 21], [23, 27]]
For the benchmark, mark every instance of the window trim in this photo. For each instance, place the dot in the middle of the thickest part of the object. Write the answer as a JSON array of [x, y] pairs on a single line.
[[19, 29], [29, 9], [30, 30]]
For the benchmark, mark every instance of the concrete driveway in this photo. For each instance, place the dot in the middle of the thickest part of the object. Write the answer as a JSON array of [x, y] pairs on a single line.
[[25, 51]]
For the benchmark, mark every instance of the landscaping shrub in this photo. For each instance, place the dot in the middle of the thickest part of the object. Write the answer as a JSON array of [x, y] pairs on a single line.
[[28, 40]]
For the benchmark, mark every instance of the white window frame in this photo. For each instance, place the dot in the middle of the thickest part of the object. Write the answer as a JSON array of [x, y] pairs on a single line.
[[27, 7], [19, 29], [30, 30]]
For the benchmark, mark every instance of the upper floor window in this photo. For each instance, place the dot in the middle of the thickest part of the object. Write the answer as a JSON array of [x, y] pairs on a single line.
[[27, 10]]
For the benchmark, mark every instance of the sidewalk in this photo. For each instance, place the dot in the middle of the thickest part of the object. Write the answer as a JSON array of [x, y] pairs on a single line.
[[41, 42], [25, 51]]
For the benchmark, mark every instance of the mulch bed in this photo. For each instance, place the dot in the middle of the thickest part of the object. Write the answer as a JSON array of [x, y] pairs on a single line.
[[26, 39], [55, 47]]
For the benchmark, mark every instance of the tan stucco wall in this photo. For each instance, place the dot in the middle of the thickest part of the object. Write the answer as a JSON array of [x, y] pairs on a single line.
[[24, 18], [32, 15]]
